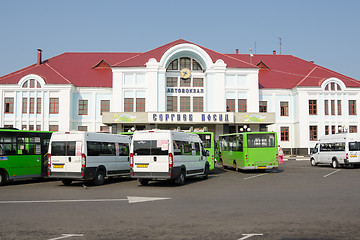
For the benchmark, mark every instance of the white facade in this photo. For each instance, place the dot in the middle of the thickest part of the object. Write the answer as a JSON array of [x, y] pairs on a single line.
[[220, 82]]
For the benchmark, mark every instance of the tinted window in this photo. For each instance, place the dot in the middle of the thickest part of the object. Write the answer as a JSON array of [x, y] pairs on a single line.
[[151, 147], [354, 146], [63, 148]]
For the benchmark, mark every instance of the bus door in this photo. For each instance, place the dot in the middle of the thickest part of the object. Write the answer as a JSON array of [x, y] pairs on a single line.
[[151, 152], [315, 152]]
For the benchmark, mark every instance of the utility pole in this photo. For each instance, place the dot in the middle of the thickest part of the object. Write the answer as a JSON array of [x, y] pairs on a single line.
[[280, 44]]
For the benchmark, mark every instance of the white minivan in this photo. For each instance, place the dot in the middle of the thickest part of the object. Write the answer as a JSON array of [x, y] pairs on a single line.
[[167, 154], [88, 156], [337, 150]]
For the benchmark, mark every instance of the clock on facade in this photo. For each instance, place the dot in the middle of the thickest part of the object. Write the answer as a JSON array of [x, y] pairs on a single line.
[[185, 73]]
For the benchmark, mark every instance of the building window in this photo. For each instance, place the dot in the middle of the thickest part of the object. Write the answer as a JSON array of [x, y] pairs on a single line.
[[185, 82], [263, 106], [83, 107], [353, 129], [31, 127], [53, 128], [332, 87], [171, 81], [312, 107], [173, 65], [339, 107], [332, 107], [104, 106], [198, 104], [198, 82], [105, 129], [242, 106], [196, 65], [24, 105], [32, 106], [333, 129], [128, 104], [38, 127], [38, 105], [230, 105], [326, 107], [184, 104], [284, 109], [9, 105], [82, 128], [284, 133], [171, 103], [313, 133], [140, 104], [185, 63], [54, 105], [352, 107], [326, 130]]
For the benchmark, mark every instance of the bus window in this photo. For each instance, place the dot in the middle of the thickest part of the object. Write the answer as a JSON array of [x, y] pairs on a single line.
[[260, 140], [63, 148], [354, 146]]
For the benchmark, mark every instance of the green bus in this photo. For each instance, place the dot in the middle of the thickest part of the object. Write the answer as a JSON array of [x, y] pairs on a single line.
[[208, 141], [23, 154], [249, 150]]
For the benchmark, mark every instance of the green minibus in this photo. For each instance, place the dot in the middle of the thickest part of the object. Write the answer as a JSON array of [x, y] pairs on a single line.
[[249, 150], [23, 154]]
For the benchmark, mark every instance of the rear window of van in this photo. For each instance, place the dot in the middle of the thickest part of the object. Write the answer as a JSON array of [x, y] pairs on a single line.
[[151, 147], [63, 148]]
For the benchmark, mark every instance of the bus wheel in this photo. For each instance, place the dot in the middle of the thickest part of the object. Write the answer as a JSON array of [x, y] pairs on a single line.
[[66, 182], [99, 178], [335, 163], [144, 182], [312, 162], [2, 178], [181, 179]]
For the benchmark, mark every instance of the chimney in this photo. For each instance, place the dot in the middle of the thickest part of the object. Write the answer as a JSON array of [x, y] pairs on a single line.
[[274, 52], [39, 55], [237, 51]]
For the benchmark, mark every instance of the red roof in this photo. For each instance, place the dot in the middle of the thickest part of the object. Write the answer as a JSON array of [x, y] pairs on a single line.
[[286, 72], [93, 69], [79, 69]]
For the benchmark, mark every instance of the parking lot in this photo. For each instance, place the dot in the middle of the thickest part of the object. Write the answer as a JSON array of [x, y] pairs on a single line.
[[296, 201]]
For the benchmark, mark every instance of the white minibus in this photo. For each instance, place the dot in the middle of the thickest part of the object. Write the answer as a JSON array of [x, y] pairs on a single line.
[[337, 150], [88, 156], [167, 154]]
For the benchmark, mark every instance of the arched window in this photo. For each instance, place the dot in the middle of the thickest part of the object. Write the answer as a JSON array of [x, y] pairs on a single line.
[[31, 83], [332, 86], [184, 62]]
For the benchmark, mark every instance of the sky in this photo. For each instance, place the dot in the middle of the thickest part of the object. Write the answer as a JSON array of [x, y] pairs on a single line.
[[324, 31]]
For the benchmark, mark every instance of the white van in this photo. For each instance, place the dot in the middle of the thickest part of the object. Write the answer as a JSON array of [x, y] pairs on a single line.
[[166, 154], [336, 150], [88, 156]]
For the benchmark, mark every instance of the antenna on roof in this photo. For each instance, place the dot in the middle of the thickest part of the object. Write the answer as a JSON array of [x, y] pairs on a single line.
[[280, 44]]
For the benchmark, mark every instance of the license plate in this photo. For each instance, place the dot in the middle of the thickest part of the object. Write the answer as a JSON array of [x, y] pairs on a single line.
[[261, 167], [353, 156], [58, 166], [142, 165]]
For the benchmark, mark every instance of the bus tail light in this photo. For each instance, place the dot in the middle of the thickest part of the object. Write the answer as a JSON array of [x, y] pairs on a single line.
[[347, 155], [131, 160], [170, 160], [83, 164], [49, 164]]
